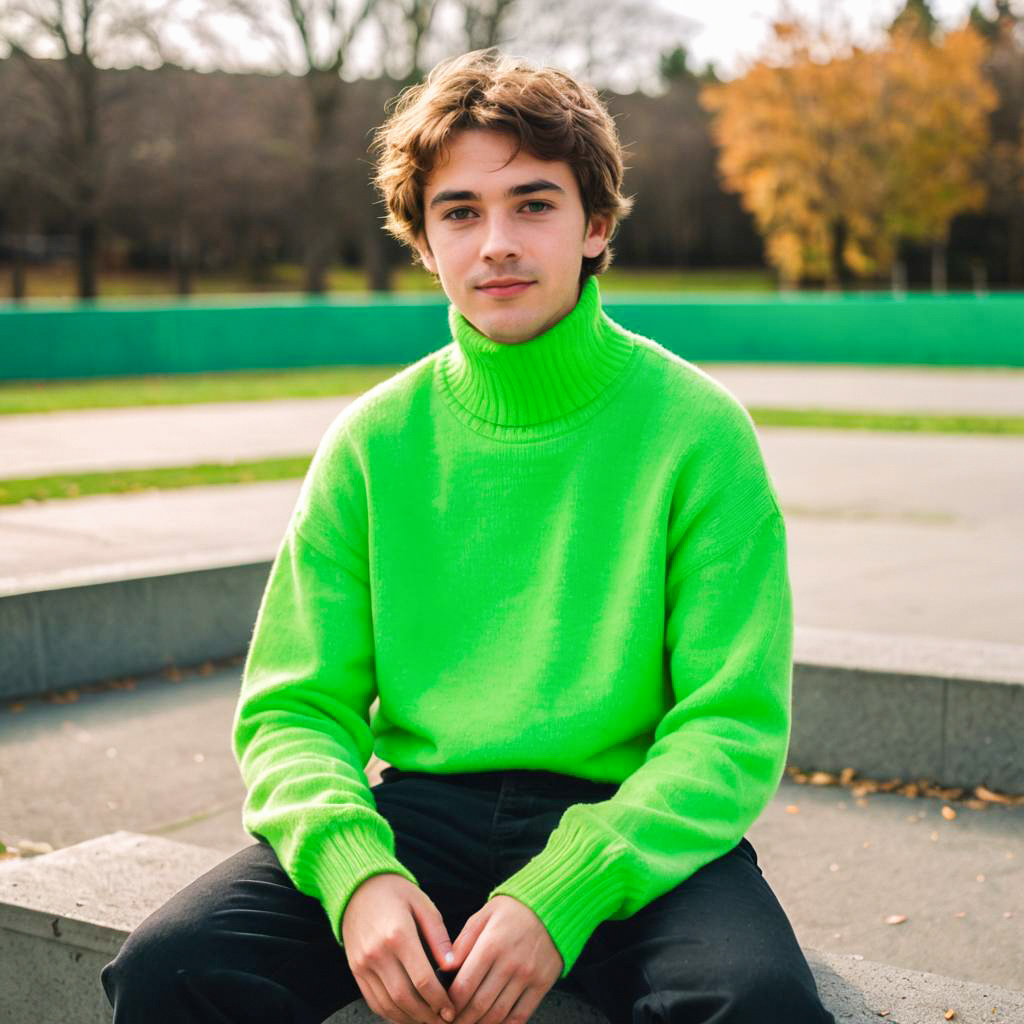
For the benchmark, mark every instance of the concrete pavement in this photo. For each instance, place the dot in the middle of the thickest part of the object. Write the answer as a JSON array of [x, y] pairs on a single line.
[[157, 760], [889, 532], [135, 438]]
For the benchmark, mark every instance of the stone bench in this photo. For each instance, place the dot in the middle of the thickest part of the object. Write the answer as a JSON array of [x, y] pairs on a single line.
[[63, 915]]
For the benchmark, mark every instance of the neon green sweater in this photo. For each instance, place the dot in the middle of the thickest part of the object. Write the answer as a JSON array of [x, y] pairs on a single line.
[[563, 554]]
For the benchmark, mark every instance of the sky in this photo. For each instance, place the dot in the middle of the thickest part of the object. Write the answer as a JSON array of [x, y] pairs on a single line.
[[730, 33], [727, 31]]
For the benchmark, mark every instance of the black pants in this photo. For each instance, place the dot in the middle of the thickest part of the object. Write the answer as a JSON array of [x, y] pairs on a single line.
[[242, 944]]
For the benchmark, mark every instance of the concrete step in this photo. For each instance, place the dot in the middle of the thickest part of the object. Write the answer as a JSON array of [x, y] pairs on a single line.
[[63, 915], [892, 705]]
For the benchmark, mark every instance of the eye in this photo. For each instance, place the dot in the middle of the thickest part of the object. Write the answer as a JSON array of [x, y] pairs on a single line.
[[451, 214], [541, 203]]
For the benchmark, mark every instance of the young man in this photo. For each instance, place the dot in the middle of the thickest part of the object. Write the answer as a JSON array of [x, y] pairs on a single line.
[[551, 549]]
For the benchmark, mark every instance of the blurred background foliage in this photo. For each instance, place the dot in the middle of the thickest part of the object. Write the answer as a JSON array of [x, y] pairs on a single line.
[[826, 162]]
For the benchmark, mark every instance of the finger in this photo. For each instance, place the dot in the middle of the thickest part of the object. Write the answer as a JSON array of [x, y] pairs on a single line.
[[434, 932], [502, 1005], [424, 980], [404, 993], [466, 940], [481, 996], [383, 1005], [526, 1005]]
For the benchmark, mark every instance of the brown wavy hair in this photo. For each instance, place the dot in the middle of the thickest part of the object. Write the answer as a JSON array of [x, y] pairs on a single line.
[[552, 116]]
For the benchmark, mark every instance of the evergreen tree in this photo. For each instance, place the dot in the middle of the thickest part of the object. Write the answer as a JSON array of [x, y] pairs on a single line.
[[673, 66], [916, 18]]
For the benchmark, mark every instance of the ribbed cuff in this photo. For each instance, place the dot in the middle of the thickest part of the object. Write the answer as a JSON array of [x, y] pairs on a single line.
[[571, 885], [334, 870]]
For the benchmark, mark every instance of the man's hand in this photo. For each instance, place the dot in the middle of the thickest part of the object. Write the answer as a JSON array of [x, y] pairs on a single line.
[[506, 964], [387, 956]]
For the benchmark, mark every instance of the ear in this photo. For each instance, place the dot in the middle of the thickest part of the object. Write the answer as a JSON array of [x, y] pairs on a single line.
[[596, 237], [423, 248]]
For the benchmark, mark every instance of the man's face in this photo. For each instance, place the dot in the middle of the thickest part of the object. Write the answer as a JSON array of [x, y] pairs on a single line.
[[507, 239]]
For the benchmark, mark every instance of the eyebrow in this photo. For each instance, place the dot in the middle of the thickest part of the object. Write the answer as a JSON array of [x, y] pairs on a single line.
[[527, 189]]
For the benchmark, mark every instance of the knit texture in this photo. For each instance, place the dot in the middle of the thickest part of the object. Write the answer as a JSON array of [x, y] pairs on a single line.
[[563, 554]]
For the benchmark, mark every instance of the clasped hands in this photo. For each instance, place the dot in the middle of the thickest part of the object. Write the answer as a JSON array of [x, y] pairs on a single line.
[[504, 957]]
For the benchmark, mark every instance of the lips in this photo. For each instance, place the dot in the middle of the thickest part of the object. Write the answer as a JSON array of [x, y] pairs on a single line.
[[501, 289]]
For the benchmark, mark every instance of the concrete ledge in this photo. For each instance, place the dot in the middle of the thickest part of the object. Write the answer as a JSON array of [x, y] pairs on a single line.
[[64, 915], [68, 631], [886, 705]]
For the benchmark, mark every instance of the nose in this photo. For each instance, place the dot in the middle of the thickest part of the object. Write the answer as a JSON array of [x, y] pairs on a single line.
[[500, 242]]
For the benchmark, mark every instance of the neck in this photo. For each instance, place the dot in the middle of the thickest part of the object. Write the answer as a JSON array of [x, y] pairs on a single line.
[[541, 381]]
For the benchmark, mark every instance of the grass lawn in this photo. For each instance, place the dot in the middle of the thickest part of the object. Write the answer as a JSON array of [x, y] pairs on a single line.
[[58, 282], [77, 485], [188, 388]]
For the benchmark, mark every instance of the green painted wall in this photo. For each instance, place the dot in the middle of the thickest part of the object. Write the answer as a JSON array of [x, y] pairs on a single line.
[[113, 338]]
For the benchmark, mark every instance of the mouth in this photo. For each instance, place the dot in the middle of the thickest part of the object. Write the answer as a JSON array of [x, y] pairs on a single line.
[[504, 288]]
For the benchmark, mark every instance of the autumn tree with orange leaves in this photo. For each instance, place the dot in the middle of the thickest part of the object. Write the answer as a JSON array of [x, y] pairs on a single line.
[[839, 151]]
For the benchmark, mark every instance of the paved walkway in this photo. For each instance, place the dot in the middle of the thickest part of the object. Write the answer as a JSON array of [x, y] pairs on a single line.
[[889, 532], [158, 760], [135, 438]]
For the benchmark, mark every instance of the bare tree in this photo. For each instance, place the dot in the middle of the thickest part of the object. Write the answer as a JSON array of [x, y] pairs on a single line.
[[408, 27], [316, 38], [77, 31], [616, 43]]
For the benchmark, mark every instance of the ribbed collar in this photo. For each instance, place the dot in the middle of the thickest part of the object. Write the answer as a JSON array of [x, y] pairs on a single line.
[[541, 382]]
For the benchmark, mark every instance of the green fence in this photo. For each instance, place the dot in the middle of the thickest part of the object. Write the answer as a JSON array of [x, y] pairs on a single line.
[[110, 338]]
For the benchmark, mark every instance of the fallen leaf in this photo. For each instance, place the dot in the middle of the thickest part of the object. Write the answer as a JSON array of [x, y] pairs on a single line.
[[960, 913], [948, 813], [822, 779], [896, 919], [845, 778], [884, 1013], [792, 809], [984, 793], [30, 847], [889, 785], [976, 805], [949, 1015]]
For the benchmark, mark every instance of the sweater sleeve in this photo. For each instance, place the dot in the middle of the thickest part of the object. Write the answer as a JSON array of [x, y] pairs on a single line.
[[301, 731], [719, 752]]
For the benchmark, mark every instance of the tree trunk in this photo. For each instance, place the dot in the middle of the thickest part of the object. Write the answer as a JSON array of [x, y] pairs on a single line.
[[183, 261], [86, 76], [18, 281], [839, 275], [979, 276], [899, 276], [321, 231], [88, 244], [938, 266], [1015, 266], [376, 260]]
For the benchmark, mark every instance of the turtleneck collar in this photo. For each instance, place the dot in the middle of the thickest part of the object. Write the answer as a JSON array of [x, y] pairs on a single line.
[[538, 385]]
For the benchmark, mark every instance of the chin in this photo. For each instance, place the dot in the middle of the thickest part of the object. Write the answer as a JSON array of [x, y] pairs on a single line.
[[510, 331]]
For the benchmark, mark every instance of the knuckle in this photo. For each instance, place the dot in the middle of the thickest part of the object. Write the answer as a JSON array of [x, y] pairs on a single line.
[[523, 972]]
